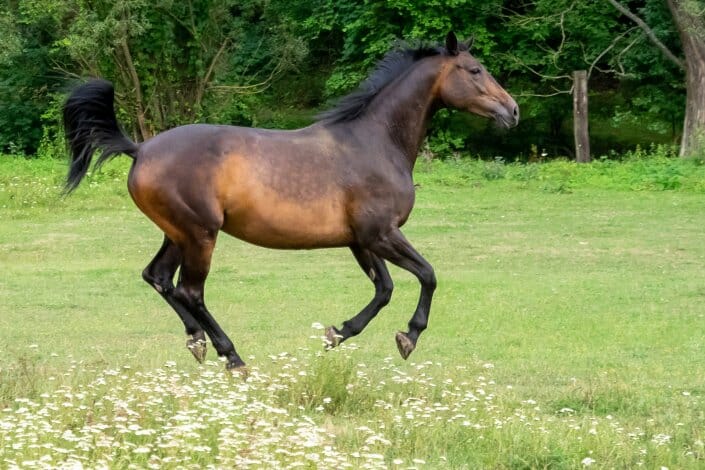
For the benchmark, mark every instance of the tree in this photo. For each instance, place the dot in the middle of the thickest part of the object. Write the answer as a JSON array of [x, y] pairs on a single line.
[[556, 47], [166, 56], [26, 78], [180, 61], [689, 16], [172, 62], [689, 19], [363, 31]]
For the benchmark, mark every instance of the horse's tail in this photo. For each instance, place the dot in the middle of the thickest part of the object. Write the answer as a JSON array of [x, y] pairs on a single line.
[[90, 124]]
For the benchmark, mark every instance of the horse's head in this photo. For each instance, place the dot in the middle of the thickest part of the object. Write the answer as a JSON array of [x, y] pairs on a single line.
[[466, 85]]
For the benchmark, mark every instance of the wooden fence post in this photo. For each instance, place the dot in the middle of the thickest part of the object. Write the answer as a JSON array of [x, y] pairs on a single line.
[[580, 116]]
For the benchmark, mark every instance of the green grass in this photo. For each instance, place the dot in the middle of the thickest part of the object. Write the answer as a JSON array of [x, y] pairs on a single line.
[[568, 325]]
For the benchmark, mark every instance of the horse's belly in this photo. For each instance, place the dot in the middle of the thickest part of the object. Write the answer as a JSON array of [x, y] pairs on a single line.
[[283, 197], [284, 224]]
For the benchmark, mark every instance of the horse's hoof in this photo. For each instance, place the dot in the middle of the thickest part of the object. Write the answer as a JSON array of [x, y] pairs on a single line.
[[197, 346], [404, 344], [241, 371], [333, 337]]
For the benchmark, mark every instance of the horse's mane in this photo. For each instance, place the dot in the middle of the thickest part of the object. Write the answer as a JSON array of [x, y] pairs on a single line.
[[393, 64]]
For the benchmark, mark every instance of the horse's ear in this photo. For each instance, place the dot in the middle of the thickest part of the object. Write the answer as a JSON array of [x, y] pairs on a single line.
[[452, 43], [469, 42]]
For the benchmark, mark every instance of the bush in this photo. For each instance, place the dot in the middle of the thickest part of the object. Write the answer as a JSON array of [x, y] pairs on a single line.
[[657, 168]]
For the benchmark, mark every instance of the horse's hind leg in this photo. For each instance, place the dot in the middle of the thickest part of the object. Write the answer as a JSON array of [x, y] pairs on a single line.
[[196, 252], [377, 271], [159, 273], [396, 249]]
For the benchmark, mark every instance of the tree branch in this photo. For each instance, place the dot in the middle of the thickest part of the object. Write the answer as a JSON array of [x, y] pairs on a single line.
[[207, 78], [255, 87], [521, 63], [622, 72], [649, 33], [593, 64], [545, 95]]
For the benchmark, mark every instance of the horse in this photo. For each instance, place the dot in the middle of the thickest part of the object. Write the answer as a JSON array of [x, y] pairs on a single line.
[[344, 181]]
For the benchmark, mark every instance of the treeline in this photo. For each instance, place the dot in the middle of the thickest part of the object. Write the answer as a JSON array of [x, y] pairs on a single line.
[[273, 63]]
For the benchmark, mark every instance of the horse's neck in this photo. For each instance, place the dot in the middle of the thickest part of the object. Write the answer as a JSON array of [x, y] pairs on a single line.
[[403, 109]]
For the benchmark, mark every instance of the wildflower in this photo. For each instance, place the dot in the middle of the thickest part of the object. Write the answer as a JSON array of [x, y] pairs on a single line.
[[661, 439], [587, 461]]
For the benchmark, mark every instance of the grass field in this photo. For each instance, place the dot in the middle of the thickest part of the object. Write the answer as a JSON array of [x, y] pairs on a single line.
[[568, 330]]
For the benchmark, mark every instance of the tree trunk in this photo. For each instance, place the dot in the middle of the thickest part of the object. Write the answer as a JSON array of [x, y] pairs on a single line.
[[691, 27], [145, 131], [580, 117]]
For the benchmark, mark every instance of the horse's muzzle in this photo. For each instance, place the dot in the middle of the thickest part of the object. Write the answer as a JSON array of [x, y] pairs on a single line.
[[508, 115]]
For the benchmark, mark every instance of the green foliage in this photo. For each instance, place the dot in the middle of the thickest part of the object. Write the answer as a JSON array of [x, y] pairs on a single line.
[[494, 170], [52, 143], [630, 79], [26, 76], [368, 29], [11, 41], [225, 61], [210, 53], [216, 47], [657, 168], [444, 143]]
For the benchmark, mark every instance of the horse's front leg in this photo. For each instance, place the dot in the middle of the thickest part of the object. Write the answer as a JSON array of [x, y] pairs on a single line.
[[394, 247], [376, 270]]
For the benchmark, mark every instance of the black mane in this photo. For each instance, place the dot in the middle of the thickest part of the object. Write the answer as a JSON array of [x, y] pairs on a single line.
[[392, 65]]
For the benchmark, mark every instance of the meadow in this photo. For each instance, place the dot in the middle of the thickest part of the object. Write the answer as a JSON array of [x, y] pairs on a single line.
[[567, 331]]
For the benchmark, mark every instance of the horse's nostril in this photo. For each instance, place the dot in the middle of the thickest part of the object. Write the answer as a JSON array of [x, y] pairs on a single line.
[[516, 111]]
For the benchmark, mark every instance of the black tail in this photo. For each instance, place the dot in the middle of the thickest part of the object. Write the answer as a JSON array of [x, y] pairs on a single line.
[[90, 124]]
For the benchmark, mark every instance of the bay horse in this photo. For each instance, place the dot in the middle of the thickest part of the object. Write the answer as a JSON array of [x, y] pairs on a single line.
[[344, 181]]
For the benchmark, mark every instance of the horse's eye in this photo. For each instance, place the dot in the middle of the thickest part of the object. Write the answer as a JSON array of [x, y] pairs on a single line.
[[475, 70]]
